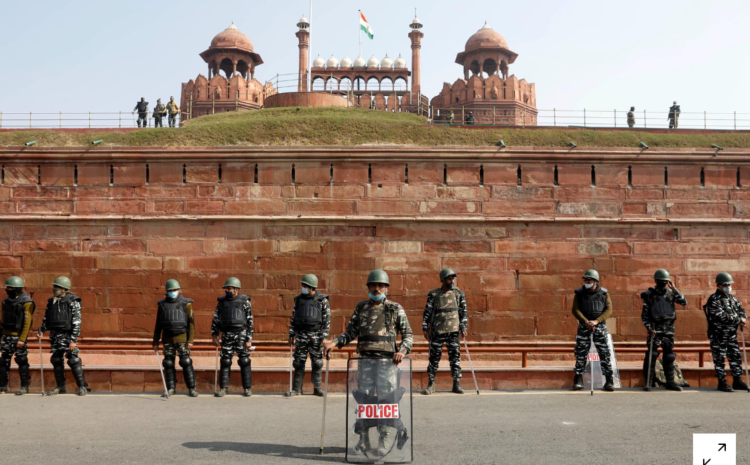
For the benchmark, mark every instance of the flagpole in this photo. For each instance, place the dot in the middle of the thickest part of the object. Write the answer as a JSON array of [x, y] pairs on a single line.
[[360, 32], [309, 55]]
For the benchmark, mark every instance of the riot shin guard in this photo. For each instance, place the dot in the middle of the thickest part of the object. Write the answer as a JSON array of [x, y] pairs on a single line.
[[188, 372], [246, 372], [76, 366], [226, 367]]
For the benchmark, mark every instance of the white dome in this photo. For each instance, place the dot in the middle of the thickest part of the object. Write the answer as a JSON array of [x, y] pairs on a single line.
[[360, 62], [318, 62], [332, 62], [400, 62], [386, 63], [346, 62], [373, 62]]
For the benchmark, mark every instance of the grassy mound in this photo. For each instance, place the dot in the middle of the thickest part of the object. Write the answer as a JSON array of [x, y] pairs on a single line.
[[341, 126]]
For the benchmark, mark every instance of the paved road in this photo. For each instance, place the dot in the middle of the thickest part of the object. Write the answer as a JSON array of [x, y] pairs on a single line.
[[532, 427]]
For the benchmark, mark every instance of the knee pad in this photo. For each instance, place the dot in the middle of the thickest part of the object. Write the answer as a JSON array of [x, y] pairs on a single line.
[[4, 361], [298, 365], [226, 362], [22, 360], [74, 361], [317, 365], [669, 359], [185, 361], [56, 359], [243, 362], [168, 363]]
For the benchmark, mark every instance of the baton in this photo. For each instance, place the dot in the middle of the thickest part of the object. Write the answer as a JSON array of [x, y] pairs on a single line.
[[471, 365], [650, 356], [591, 362], [744, 351], [325, 403], [161, 370], [41, 361]]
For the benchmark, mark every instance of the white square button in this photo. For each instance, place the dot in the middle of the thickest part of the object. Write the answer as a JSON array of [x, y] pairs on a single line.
[[714, 449]]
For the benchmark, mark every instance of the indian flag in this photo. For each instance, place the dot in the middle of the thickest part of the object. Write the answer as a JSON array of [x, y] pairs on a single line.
[[365, 26]]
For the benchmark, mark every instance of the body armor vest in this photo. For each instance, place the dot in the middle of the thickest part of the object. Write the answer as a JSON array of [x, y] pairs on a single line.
[[592, 304], [232, 313], [13, 316], [445, 312], [308, 312], [173, 316], [59, 315], [662, 306], [376, 327]]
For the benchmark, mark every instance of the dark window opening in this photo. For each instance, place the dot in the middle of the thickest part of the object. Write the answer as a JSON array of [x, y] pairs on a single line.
[[555, 181], [593, 176], [630, 176], [518, 175]]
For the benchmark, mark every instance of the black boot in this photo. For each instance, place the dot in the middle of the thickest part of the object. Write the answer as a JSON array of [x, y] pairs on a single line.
[[317, 383], [457, 389], [224, 372], [723, 386], [76, 366], [246, 373], [364, 443], [577, 382], [670, 384], [299, 376], [23, 373], [430, 389], [738, 384], [59, 370], [170, 375], [609, 384]]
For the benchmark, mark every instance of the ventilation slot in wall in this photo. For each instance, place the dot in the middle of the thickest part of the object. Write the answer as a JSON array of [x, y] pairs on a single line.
[[255, 174], [184, 174], [739, 184], [111, 175], [38, 175], [294, 173], [445, 174], [630, 176], [666, 176], [518, 175], [406, 173], [2, 175], [148, 174], [331, 173], [75, 175], [219, 173], [703, 178], [369, 173], [555, 179], [481, 175], [593, 176]]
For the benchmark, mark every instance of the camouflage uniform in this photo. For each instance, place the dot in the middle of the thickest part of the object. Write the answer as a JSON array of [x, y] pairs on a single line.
[[60, 338], [17, 314], [376, 326], [173, 110], [664, 327], [599, 296], [631, 119], [674, 115], [444, 324], [724, 314], [233, 340], [176, 342], [142, 109], [159, 112], [309, 341]]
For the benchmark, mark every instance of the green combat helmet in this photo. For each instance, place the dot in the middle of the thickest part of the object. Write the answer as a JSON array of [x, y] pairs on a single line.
[[14, 281], [591, 274], [446, 273], [172, 285], [378, 277], [63, 282], [661, 275], [232, 282], [721, 278], [310, 280]]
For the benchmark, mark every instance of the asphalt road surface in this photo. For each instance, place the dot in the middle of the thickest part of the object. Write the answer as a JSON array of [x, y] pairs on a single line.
[[530, 427]]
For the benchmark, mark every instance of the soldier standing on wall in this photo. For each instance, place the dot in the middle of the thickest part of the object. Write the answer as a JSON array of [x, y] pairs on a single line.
[[234, 320], [592, 306], [375, 324], [631, 117], [173, 109], [674, 115], [63, 319], [725, 315], [311, 322], [18, 310], [449, 117], [142, 109], [658, 316], [175, 326], [444, 322], [160, 111]]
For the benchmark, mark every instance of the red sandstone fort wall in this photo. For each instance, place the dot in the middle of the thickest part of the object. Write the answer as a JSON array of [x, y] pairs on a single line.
[[518, 237]]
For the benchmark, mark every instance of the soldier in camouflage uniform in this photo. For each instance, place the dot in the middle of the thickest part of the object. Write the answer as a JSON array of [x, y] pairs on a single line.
[[63, 319], [674, 115], [376, 323], [175, 326], [658, 316], [591, 307], [631, 117], [160, 111], [444, 321], [18, 310], [234, 320], [725, 315], [311, 322], [142, 109], [173, 110]]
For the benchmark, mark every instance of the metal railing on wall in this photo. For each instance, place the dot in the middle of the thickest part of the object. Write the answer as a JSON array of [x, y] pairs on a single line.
[[90, 119]]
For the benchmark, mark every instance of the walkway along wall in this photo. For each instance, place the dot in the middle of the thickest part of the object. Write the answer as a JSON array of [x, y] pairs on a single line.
[[519, 225]]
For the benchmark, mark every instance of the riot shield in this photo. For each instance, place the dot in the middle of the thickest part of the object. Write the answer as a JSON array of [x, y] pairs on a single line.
[[379, 424], [593, 357]]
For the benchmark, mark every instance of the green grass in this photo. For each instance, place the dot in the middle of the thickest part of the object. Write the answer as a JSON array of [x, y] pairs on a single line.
[[340, 126]]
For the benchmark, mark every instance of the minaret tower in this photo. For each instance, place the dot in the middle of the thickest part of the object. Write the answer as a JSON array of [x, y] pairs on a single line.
[[304, 45], [416, 44]]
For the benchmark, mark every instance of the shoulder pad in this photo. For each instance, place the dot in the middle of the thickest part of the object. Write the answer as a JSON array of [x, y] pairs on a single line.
[[361, 304], [392, 306], [188, 301], [220, 299], [320, 297], [74, 297], [603, 290], [579, 290], [434, 292], [646, 294], [245, 298], [460, 292], [49, 301], [162, 301]]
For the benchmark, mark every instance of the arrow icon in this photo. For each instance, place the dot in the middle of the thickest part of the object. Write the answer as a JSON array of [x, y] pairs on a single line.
[[706, 461], [723, 446]]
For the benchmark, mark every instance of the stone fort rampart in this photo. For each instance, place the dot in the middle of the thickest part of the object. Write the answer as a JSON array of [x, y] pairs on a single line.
[[518, 224]]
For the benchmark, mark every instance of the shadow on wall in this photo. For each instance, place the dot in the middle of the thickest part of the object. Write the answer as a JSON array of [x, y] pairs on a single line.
[[332, 454]]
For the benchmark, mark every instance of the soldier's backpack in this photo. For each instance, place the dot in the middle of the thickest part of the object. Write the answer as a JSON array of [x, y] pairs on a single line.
[[661, 380]]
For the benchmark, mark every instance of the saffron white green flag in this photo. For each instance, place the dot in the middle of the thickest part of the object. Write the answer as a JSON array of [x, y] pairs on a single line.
[[365, 26]]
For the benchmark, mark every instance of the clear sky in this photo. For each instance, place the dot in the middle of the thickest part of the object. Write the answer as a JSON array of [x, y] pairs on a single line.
[[102, 55]]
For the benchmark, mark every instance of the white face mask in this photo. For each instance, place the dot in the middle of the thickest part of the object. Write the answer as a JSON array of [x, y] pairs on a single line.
[[305, 290], [588, 285], [727, 289]]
